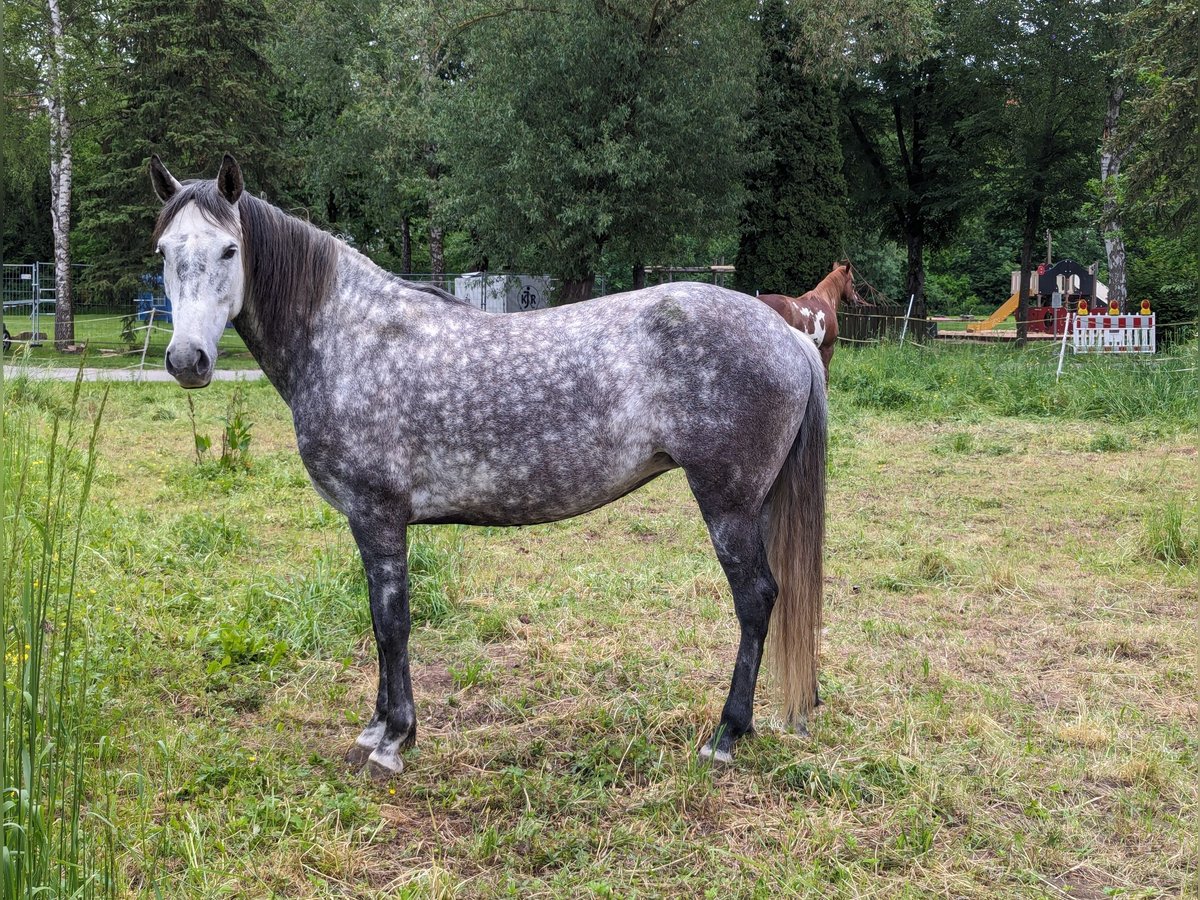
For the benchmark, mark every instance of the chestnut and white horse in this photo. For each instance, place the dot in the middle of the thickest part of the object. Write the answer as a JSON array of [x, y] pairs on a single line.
[[815, 312]]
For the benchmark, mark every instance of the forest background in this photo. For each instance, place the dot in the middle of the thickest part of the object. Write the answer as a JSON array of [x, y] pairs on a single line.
[[932, 143]]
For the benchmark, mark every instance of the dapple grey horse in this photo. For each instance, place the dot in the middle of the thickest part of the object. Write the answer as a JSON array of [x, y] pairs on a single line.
[[393, 391]]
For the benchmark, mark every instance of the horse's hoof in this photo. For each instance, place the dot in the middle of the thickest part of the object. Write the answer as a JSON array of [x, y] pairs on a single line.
[[384, 768], [709, 755], [356, 756]]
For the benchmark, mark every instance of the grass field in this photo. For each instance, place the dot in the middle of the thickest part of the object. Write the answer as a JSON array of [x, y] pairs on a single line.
[[106, 348], [1008, 667], [1009, 324]]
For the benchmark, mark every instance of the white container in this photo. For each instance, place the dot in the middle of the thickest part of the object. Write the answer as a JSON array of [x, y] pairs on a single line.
[[504, 293]]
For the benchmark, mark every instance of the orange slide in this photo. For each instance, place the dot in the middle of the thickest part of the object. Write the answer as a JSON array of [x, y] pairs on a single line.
[[1006, 309]]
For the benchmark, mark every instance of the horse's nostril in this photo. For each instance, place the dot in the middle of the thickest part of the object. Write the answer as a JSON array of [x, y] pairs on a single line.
[[203, 363]]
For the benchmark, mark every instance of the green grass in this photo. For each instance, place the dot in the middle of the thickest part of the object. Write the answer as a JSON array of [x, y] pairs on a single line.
[[101, 332], [1171, 533], [1009, 324], [968, 383], [1008, 667], [55, 788]]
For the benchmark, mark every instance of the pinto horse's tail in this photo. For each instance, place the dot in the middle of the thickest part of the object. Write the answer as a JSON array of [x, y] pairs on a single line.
[[795, 550]]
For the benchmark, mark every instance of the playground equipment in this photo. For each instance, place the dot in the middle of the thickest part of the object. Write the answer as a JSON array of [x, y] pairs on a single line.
[[1054, 290], [1006, 309]]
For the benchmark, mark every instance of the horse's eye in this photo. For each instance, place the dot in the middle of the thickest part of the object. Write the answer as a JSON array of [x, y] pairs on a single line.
[[229, 251]]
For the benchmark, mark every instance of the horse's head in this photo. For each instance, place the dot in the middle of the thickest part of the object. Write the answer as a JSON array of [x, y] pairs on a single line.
[[198, 236], [849, 292]]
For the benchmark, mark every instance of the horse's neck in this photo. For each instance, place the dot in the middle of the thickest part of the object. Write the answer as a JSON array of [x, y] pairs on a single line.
[[832, 286], [276, 362], [286, 362]]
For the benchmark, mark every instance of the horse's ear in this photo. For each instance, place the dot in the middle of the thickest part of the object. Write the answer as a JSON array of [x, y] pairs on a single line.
[[229, 179], [846, 265], [165, 185]]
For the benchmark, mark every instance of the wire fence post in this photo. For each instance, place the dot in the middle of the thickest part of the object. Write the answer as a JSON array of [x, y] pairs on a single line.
[[904, 328], [146, 343], [1062, 351]]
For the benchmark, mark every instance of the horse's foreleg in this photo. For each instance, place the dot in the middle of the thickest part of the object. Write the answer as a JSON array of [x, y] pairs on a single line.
[[370, 737], [393, 727], [739, 542], [826, 359]]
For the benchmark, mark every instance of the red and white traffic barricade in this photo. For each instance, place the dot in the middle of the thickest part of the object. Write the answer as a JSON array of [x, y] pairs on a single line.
[[1101, 333]]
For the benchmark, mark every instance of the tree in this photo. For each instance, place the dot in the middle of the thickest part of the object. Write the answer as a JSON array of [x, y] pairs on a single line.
[[1111, 157], [915, 121], [1041, 160], [599, 125], [192, 82], [25, 232], [1159, 58], [1160, 137], [793, 223], [42, 55], [61, 170], [1113, 149]]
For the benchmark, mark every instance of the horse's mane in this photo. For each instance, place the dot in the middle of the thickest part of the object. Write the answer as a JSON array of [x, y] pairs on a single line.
[[289, 263]]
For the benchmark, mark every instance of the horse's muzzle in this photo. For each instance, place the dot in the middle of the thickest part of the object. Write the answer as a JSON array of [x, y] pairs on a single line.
[[189, 365]]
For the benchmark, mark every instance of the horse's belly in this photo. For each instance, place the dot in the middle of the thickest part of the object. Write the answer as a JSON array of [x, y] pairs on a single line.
[[519, 491]]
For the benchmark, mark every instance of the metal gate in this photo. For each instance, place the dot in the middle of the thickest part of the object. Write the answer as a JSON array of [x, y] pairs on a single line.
[[27, 289]]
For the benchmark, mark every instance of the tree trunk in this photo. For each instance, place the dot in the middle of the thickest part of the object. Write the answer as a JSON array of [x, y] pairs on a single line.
[[60, 184], [437, 250], [639, 276], [1033, 213], [1110, 169], [405, 245], [914, 283], [576, 289]]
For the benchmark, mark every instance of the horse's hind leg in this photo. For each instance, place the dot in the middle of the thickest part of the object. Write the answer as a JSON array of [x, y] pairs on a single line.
[[741, 549]]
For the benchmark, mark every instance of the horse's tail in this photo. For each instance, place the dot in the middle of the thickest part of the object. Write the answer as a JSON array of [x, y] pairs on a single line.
[[795, 551]]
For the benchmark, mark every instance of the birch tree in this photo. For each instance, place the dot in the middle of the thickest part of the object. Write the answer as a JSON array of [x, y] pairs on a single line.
[[60, 177]]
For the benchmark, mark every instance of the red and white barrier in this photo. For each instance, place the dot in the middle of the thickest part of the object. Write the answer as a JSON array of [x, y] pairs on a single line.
[[1113, 334]]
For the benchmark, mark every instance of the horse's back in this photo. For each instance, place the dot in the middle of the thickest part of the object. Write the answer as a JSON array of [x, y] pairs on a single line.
[[527, 417]]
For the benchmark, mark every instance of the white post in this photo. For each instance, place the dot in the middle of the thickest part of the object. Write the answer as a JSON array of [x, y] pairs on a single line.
[[146, 343], [1062, 351], [904, 328]]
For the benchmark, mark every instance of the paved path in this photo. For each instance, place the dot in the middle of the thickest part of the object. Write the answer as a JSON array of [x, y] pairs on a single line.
[[154, 374]]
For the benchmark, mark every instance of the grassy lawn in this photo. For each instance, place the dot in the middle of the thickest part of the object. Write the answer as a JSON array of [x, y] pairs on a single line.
[[107, 349], [1009, 324], [1008, 667]]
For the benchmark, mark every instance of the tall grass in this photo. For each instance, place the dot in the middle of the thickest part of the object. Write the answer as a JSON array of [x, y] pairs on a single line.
[[1170, 534], [56, 840], [946, 381]]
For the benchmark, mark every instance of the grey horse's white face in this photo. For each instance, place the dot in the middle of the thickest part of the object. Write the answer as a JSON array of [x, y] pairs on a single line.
[[203, 276]]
